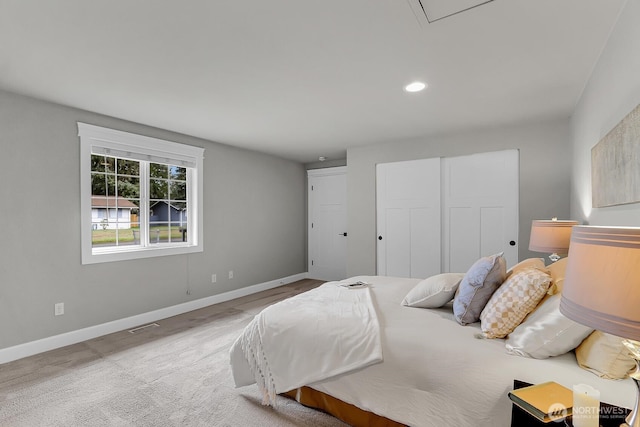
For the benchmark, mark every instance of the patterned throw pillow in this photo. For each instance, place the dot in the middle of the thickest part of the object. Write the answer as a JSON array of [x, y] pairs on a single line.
[[511, 303]]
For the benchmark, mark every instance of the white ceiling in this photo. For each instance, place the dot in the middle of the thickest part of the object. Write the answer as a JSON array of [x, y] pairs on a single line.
[[302, 78], [438, 9]]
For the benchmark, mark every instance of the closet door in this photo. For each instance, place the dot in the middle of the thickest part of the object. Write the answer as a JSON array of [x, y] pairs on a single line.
[[480, 215], [327, 202], [408, 218]]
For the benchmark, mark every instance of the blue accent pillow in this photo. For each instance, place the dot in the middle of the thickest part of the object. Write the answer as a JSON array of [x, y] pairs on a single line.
[[477, 286]]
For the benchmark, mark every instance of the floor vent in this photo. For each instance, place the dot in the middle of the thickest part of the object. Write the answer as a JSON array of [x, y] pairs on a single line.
[[140, 328]]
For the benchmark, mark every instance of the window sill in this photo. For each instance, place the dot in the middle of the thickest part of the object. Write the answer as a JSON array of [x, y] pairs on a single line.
[[110, 255]]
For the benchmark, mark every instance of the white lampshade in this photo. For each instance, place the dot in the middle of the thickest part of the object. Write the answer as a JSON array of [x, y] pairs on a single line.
[[551, 236], [602, 281]]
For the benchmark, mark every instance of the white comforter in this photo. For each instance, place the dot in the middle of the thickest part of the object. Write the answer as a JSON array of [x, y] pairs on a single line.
[[311, 337]]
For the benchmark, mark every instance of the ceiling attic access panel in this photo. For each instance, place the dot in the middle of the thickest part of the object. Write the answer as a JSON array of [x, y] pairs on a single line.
[[435, 10]]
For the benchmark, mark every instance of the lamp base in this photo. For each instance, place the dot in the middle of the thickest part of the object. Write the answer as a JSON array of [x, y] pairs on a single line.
[[554, 257], [633, 419]]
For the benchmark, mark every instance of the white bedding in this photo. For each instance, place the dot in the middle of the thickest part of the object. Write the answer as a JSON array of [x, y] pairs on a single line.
[[313, 336], [436, 373]]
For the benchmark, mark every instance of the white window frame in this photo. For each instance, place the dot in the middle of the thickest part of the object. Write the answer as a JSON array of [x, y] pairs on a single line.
[[100, 140]]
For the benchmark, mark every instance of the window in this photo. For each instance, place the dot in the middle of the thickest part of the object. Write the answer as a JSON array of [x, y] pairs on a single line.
[[140, 196]]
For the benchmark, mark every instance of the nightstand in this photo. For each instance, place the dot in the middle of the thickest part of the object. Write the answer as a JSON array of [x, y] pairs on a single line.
[[610, 415]]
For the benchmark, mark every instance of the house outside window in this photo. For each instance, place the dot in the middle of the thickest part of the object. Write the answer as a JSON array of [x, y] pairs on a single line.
[[113, 214], [140, 196]]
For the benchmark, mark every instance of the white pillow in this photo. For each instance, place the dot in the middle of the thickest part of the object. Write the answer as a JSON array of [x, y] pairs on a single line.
[[434, 291], [546, 332]]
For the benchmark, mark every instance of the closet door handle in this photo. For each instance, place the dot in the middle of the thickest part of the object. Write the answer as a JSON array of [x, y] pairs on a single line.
[[379, 237], [342, 234]]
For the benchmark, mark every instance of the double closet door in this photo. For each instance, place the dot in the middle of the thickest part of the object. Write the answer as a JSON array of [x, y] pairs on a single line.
[[442, 214]]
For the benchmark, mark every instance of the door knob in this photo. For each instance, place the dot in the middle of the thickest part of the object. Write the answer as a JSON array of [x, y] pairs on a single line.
[[379, 237], [512, 243]]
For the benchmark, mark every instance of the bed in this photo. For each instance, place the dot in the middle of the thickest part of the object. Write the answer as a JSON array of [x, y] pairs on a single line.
[[434, 371]]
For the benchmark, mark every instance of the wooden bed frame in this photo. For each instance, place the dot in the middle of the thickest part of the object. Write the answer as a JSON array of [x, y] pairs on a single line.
[[346, 412]]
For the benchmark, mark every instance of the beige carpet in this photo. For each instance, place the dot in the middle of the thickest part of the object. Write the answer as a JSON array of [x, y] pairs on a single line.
[[176, 374]]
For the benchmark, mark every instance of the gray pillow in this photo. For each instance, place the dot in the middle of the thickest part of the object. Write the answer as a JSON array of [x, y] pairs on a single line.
[[477, 286]]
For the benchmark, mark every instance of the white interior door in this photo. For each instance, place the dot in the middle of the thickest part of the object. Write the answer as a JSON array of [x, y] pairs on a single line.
[[408, 218], [480, 208], [327, 201]]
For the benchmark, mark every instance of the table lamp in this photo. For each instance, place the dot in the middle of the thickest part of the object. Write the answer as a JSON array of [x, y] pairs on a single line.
[[551, 236], [602, 288]]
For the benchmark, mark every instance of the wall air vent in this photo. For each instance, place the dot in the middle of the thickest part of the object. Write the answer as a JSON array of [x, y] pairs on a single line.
[[436, 10]]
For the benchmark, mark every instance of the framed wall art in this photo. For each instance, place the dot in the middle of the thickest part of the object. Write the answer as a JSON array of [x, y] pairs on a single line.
[[615, 164]]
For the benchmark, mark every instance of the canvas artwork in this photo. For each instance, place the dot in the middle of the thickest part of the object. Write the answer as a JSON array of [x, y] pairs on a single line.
[[615, 164]]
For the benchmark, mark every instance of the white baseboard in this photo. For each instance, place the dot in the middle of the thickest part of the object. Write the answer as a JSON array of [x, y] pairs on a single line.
[[50, 343]]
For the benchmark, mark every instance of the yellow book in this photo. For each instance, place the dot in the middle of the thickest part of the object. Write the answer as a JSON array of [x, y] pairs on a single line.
[[548, 401]]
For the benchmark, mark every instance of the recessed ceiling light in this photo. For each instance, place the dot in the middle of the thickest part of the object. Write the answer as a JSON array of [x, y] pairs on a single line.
[[415, 87]]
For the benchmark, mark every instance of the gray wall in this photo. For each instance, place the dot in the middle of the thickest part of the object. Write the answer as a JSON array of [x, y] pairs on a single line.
[[254, 224], [611, 93], [544, 178]]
